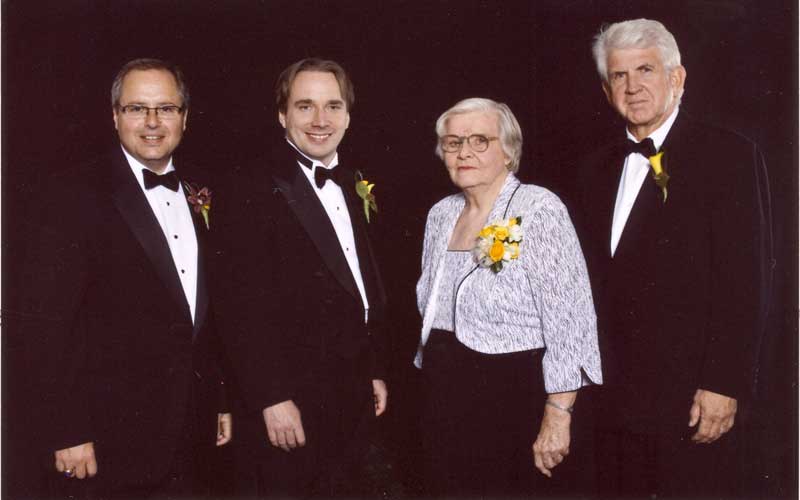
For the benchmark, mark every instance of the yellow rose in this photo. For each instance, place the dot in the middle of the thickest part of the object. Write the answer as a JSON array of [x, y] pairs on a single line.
[[512, 221], [501, 233], [485, 232], [655, 162], [497, 251], [514, 250]]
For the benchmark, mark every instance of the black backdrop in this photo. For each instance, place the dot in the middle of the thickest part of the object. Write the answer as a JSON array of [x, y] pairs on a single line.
[[409, 61]]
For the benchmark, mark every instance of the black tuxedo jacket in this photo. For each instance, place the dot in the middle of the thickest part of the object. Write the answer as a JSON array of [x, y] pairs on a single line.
[[288, 304], [112, 353], [678, 303]]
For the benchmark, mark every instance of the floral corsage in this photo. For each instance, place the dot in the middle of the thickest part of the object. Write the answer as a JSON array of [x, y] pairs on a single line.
[[498, 243], [200, 200]]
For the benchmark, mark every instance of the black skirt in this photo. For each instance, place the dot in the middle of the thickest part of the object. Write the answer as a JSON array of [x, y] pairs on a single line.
[[481, 415]]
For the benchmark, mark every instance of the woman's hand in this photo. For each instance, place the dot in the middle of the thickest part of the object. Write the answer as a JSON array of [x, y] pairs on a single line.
[[552, 443]]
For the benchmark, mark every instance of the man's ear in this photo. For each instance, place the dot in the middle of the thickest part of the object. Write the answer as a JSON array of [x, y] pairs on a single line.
[[607, 92], [677, 79], [347, 121], [282, 119], [185, 119], [114, 113]]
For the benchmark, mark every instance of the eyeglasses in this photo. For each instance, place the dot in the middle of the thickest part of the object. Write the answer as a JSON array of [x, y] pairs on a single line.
[[477, 142], [166, 112]]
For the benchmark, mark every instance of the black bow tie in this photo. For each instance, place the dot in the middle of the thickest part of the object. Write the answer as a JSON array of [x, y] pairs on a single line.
[[322, 175], [168, 180], [646, 148]]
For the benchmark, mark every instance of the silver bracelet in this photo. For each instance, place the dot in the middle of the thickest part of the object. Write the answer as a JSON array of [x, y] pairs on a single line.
[[568, 410]]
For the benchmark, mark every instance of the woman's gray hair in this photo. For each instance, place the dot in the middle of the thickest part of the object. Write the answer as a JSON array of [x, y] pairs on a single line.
[[510, 131], [634, 34]]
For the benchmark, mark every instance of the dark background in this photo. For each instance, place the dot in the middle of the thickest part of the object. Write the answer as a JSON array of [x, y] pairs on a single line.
[[410, 61]]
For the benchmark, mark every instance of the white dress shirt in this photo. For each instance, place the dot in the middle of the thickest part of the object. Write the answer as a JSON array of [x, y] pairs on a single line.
[[175, 218], [634, 173], [332, 199]]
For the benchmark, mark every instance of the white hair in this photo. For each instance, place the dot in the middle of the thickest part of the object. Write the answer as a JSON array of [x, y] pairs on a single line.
[[509, 130], [635, 34]]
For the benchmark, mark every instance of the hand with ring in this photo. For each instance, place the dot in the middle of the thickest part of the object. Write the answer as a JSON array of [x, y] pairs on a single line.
[[77, 462]]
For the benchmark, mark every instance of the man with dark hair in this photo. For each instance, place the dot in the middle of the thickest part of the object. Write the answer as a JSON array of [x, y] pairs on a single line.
[[115, 309], [302, 300], [672, 222]]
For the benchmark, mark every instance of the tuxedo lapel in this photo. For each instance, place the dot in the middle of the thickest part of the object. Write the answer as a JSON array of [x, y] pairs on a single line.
[[642, 219], [135, 210], [201, 305], [366, 259], [607, 187], [306, 206]]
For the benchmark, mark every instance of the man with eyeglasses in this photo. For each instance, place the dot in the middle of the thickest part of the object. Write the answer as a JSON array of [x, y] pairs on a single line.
[[117, 310], [301, 301]]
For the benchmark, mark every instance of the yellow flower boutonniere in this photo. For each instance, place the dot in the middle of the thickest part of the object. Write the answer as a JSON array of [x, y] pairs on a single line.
[[660, 172], [364, 191], [498, 244]]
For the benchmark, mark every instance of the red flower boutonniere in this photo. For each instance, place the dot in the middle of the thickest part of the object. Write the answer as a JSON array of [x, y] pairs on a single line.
[[660, 172], [200, 200]]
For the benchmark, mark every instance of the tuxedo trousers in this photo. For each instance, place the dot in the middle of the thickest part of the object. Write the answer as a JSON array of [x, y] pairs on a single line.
[[338, 416], [666, 465]]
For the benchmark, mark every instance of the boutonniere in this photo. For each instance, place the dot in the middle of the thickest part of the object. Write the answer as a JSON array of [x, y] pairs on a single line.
[[200, 200], [660, 172], [364, 191], [498, 243]]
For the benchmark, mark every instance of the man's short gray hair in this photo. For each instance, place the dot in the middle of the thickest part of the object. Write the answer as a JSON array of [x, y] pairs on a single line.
[[510, 131], [146, 64], [634, 34]]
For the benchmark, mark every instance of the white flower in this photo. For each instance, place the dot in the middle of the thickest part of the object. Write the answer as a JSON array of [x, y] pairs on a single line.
[[515, 233]]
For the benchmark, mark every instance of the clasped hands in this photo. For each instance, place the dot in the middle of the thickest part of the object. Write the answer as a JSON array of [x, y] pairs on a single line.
[[285, 424]]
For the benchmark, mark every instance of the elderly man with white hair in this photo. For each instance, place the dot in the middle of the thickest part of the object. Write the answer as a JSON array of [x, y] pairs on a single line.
[[669, 218]]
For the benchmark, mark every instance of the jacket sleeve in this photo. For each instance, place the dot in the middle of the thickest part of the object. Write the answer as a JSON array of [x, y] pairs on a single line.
[[54, 278], [736, 220], [247, 317], [560, 284]]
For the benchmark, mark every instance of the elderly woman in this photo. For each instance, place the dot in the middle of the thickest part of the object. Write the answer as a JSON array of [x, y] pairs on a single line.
[[509, 332]]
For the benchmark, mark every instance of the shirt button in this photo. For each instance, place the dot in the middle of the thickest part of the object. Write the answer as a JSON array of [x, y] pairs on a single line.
[[183, 271], [167, 203], [175, 236]]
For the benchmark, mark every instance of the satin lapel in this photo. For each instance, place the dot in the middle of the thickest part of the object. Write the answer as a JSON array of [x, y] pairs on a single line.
[[610, 186], [643, 219], [309, 211], [135, 210], [366, 258], [201, 306]]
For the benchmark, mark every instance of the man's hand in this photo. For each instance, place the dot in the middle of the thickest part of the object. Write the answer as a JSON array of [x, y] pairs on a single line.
[[381, 396], [224, 428], [78, 461], [716, 414], [284, 425]]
